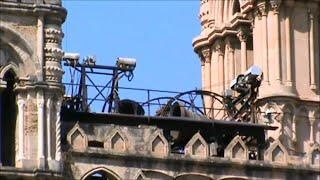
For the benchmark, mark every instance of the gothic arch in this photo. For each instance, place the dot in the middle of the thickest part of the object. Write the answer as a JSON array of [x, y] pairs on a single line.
[[8, 117], [12, 38], [100, 172], [191, 176], [9, 67], [152, 174], [23, 54]]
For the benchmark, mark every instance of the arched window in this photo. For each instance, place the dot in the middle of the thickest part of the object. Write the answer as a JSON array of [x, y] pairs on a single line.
[[236, 7], [8, 115], [100, 174]]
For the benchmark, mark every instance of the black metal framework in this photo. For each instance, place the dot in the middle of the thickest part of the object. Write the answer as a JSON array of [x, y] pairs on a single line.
[[236, 107], [79, 100]]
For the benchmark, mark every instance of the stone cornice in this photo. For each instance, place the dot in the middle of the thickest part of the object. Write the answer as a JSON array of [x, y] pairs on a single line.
[[24, 8], [215, 33]]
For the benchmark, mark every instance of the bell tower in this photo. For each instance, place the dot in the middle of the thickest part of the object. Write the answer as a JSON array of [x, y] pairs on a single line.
[[282, 38], [31, 91]]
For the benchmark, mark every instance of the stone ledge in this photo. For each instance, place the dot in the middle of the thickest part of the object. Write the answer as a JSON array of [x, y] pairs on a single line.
[[12, 172], [217, 161]]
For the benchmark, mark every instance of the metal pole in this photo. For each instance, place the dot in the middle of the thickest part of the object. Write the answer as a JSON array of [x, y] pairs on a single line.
[[83, 88]]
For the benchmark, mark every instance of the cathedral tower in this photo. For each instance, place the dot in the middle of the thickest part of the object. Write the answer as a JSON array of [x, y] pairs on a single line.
[[30, 76], [282, 38]]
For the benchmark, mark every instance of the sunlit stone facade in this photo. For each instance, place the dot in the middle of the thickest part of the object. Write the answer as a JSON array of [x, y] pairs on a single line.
[[39, 140], [282, 38]]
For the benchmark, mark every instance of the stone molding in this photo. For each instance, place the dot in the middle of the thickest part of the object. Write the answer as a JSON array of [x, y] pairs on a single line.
[[197, 147], [158, 144], [72, 136], [116, 141], [276, 153], [230, 150]]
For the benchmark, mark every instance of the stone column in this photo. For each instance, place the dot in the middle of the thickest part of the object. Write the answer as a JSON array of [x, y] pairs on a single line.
[[220, 12], [206, 53], [53, 51], [58, 130], [243, 35], [49, 129], [312, 120], [288, 48], [203, 74], [41, 135], [313, 22], [40, 46], [230, 58], [264, 40], [21, 105], [275, 5], [220, 50]]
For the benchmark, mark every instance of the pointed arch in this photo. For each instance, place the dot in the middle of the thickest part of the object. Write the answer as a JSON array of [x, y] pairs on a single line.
[[102, 172], [8, 116], [190, 176], [9, 68]]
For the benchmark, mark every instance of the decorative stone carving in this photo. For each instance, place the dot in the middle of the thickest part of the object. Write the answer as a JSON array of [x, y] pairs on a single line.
[[140, 176], [243, 34], [116, 141], [275, 5], [219, 47], [158, 144], [262, 8], [206, 54], [77, 138], [197, 147], [276, 153], [236, 149], [53, 53]]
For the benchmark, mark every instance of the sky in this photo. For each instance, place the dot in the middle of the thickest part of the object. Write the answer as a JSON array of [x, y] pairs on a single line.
[[158, 34]]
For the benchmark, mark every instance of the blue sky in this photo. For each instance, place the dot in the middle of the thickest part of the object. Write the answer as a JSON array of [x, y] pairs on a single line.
[[157, 33]]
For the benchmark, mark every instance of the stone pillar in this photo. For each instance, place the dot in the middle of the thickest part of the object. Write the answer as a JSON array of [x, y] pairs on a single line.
[[230, 58], [41, 135], [203, 74], [243, 35], [21, 104], [313, 22], [220, 50], [53, 51], [275, 5], [206, 53], [264, 40], [288, 48], [220, 12], [58, 130], [40, 46], [312, 121], [49, 107]]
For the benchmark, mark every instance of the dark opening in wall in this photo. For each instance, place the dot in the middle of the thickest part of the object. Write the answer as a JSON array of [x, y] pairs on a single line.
[[97, 144], [236, 7], [8, 115]]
